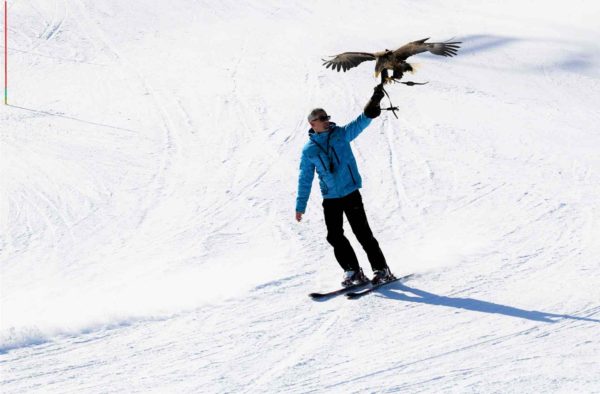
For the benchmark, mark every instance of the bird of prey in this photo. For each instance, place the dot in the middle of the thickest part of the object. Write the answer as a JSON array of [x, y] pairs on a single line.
[[392, 60]]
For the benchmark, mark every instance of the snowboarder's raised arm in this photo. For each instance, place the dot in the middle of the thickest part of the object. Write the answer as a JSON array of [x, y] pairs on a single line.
[[354, 128]]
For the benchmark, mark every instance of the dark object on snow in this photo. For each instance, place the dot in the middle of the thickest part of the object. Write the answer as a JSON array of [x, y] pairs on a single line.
[[342, 290], [392, 60]]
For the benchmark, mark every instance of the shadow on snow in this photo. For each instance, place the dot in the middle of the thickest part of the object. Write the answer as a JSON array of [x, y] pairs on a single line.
[[472, 304]]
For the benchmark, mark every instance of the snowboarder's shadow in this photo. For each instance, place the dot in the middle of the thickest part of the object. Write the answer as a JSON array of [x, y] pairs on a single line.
[[399, 292]]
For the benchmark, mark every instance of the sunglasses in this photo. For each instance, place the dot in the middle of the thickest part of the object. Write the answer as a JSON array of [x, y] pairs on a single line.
[[322, 118]]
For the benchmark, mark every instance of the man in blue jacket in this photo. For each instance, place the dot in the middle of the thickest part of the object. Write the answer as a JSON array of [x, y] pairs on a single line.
[[328, 152]]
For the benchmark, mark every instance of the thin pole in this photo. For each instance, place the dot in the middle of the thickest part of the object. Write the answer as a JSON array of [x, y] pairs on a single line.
[[5, 53]]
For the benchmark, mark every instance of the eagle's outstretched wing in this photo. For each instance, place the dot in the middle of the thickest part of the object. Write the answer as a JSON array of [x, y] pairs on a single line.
[[347, 60], [437, 48]]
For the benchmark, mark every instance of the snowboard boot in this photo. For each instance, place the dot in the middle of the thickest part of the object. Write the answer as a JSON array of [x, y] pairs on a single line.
[[354, 277], [382, 276]]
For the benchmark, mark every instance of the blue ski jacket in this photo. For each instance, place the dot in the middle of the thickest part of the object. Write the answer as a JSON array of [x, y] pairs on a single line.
[[330, 155]]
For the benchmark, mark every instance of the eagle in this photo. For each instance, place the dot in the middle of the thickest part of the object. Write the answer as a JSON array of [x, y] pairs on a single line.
[[392, 60]]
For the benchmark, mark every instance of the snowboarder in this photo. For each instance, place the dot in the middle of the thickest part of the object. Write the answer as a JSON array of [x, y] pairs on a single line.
[[328, 152]]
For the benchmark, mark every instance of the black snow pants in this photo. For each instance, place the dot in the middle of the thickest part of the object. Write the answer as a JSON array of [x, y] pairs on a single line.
[[352, 206]]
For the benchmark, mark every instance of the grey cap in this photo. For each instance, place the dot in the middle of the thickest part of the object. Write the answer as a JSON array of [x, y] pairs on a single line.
[[314, 114]]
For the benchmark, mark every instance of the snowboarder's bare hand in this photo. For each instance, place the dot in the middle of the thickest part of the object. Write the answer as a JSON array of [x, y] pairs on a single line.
[[299, 216]]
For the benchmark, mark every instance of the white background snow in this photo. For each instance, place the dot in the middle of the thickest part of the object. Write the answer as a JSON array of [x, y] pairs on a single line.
[[149, 164]]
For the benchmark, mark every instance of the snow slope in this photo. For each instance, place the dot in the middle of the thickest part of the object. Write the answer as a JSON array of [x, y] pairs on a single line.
[[150, 152]]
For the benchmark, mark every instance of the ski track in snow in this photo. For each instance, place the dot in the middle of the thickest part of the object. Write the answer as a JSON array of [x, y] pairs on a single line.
[[151, 150]]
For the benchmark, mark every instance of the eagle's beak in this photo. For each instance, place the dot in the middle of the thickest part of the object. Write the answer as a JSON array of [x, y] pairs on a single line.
[[377, 74]]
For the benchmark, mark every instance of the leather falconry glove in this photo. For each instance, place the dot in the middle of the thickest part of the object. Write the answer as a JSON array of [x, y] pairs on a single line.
[[372, 109]]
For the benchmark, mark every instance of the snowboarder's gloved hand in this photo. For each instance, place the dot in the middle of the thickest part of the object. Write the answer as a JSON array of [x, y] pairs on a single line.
[[372, 109]]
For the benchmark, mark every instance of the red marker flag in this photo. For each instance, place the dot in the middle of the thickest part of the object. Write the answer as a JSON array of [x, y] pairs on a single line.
[[5, 53]]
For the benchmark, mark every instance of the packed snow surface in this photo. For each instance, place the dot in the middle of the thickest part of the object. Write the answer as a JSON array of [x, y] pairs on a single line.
[[149, 160]]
